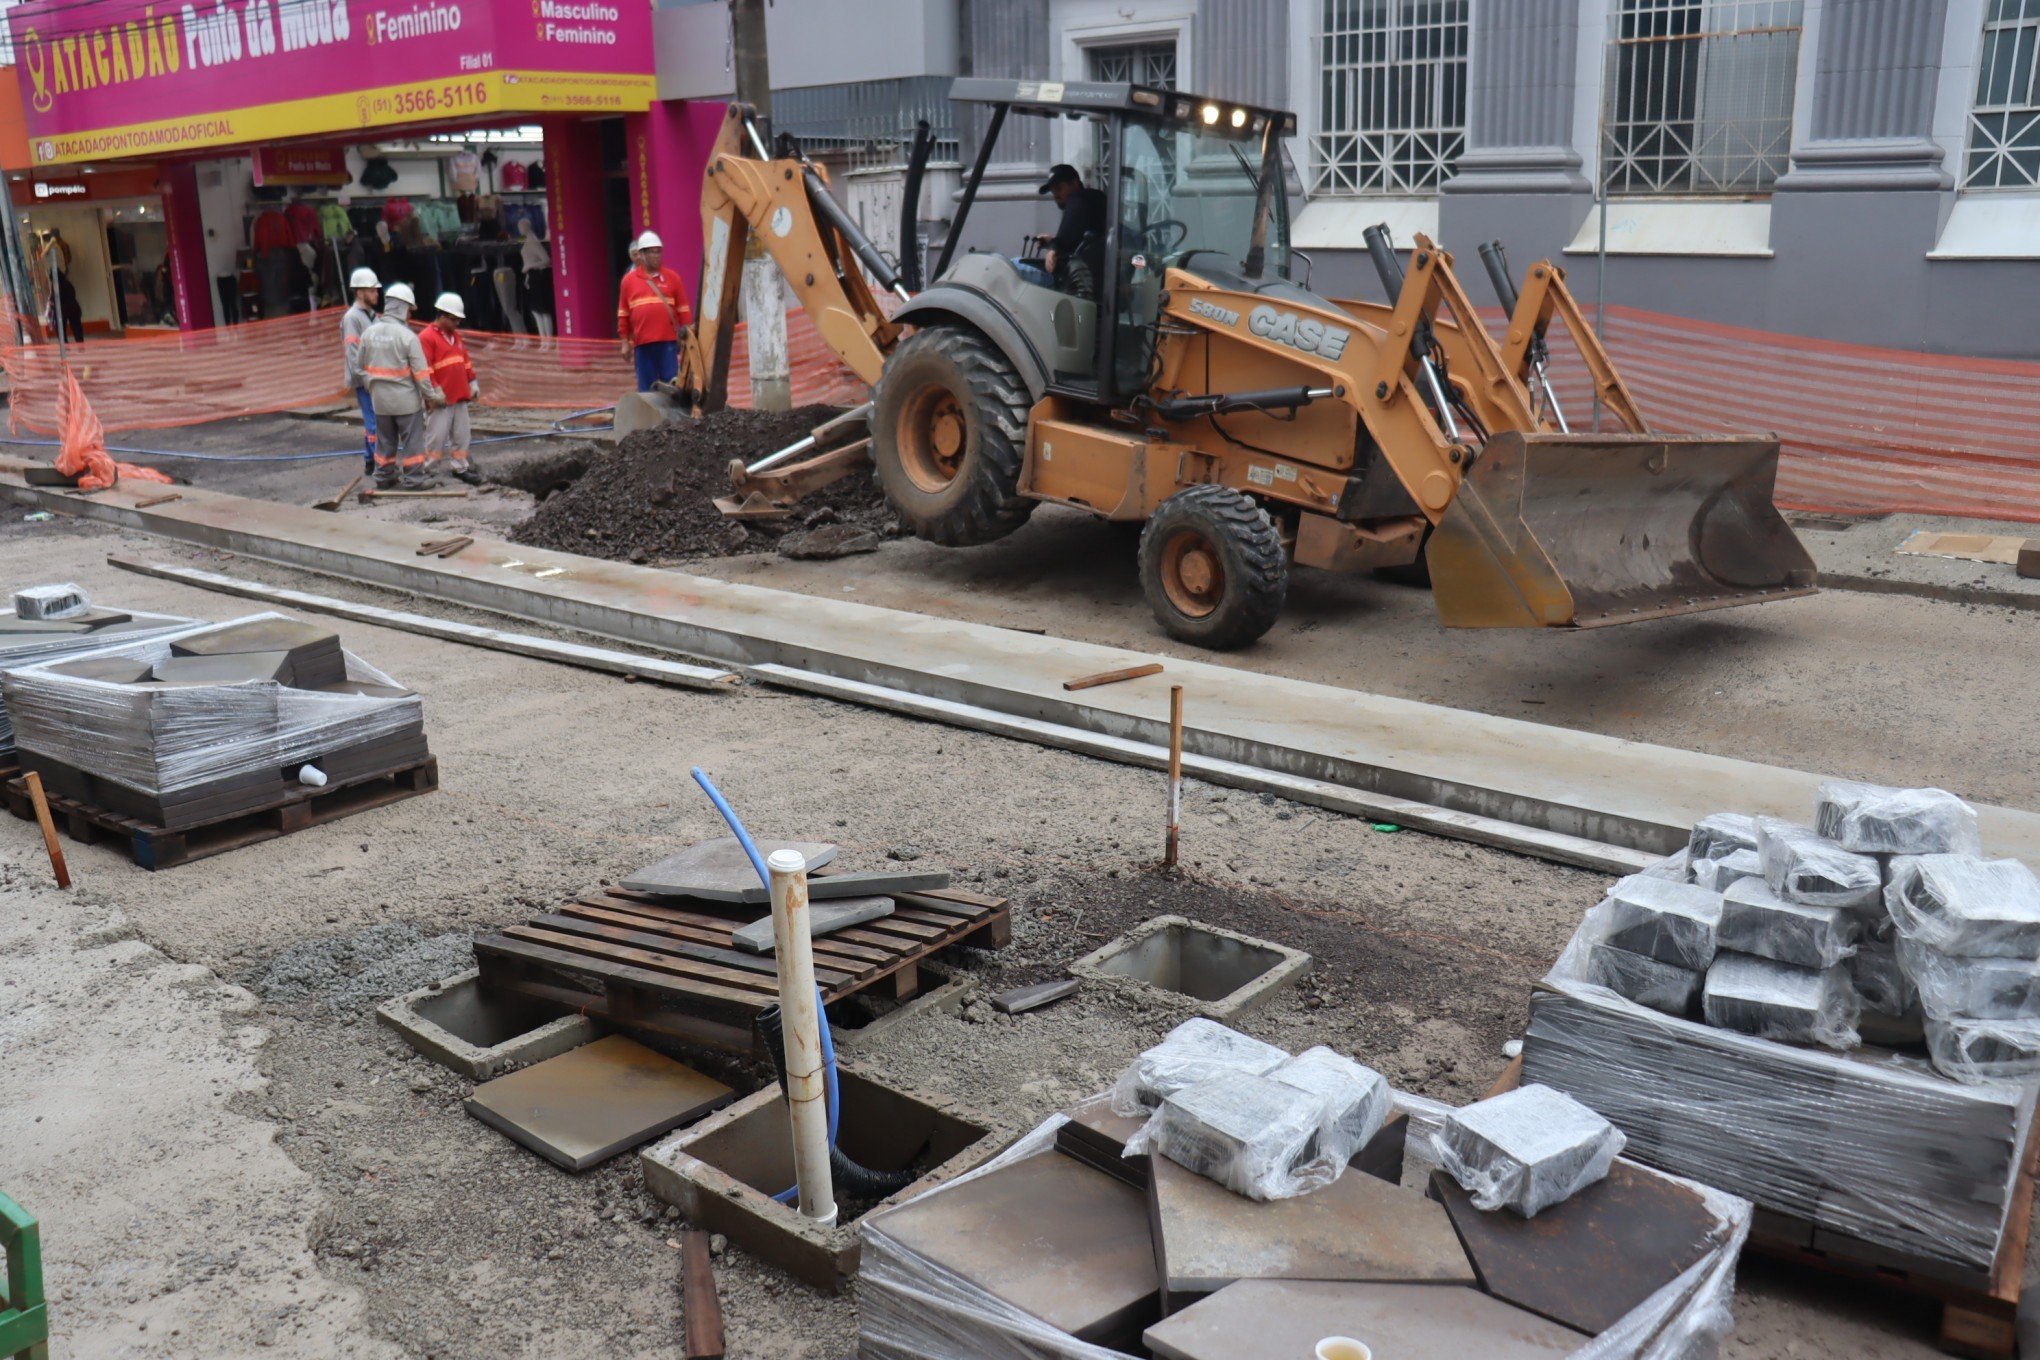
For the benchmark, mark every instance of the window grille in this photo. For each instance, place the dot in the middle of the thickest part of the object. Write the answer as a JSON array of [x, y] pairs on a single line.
[[1699, 96], [2004, 122], [1391, 115], [870, 123], [1147, 63]]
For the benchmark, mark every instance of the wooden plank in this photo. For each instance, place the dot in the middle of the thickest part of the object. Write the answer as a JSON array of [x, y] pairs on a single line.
[[700, 1310], [560, 951], [727, 983], [522, 644], [503, 959], [711, 929], [650, 939], [41, 804], [1114, 677]]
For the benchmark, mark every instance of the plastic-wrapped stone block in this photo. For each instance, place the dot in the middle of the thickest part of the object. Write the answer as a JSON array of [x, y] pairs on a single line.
[[1721, 835], [1646, 981], [1803, 866], [1527, 1149], [1673, 868], [51, 602], [1356, 1098], [1755, 920], [1954, 986], [1778, 1001], [1256, 1136], [1876, 820], [1881, 983], [1984, 1052], [1959, 904], [1193, 1051], [1671, 922], [1717, 874]]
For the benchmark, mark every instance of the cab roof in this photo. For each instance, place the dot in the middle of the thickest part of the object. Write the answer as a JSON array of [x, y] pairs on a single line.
[[1099, 98]]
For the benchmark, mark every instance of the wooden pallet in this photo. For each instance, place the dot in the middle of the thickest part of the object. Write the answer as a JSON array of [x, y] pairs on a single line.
[[1978, 1315], [155, 847], [667, 965]]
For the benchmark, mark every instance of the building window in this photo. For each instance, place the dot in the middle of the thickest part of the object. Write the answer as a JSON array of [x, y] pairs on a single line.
[[1699, 95], [1391, 115], [1145, 63], [2004, 125]]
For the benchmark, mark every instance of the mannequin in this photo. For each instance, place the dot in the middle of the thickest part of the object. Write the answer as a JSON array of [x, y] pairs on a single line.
[[536, 262]]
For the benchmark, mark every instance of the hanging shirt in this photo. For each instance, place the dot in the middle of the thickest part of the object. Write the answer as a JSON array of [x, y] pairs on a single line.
[[646, 306], [466, 171], [446, 358], [273, 231], [514, 175]]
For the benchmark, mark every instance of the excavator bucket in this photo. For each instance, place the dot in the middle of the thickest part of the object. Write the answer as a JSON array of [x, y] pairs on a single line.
[[1580, 530]]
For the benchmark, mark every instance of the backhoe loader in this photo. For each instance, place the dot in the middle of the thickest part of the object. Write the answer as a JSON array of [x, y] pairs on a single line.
[[1188, 381]]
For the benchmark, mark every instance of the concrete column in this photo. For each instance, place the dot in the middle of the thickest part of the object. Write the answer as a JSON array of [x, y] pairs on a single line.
[[1006, 39], [1867, 191], [583, 293], [669, 147], [190, 280], [1242, 51], [1523, 178]]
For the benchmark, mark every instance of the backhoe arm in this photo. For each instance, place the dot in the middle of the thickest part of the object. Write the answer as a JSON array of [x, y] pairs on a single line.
[[814, 244]]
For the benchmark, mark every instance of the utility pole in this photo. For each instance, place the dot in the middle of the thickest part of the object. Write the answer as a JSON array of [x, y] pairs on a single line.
[[764, 294]]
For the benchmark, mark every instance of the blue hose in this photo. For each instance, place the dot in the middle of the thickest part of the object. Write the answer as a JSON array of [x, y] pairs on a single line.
[[736, 826]]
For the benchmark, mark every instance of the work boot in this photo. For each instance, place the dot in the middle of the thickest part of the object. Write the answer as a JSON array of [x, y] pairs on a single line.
[[385, 480], [468, 475]]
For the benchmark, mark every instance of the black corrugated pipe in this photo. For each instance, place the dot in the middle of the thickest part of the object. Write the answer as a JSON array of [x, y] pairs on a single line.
[[851, 1179]]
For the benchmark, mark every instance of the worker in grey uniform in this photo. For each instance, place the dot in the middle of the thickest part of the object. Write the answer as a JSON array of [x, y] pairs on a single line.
[[400, 386], [353, 323]]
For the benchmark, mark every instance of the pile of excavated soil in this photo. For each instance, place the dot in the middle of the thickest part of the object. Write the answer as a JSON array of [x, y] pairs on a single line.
[[651, 497]]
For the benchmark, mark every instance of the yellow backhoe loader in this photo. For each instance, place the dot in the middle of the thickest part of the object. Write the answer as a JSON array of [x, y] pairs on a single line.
[[1186, 380]]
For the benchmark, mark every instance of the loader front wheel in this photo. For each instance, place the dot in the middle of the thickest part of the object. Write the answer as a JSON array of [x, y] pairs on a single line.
[[948, 432], [1213, 568]]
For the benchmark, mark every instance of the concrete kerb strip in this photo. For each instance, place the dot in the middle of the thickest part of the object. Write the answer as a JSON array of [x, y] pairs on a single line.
[[1507, 771]]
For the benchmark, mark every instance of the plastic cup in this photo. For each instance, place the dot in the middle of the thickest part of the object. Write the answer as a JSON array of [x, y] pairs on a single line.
[[1343, 1348]]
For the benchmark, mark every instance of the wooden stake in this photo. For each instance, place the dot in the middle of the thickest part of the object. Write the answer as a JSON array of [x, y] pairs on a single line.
[[700, 1309], [49, 828], [1113, 677], [1175, 775]]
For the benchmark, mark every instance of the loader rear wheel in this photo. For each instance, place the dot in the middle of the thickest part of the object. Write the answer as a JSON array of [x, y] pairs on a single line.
[[1213, 567], [948, 432]]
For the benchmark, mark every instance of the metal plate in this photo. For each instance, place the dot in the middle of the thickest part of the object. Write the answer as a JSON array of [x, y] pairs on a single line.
[[720, 871], [1055, 1239], [1357, 1228], [1287, 1318], [584, 1107], [1592, 1259]]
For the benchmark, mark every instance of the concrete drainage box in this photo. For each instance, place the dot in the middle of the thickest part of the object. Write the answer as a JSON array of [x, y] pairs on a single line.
[[723, 1172], [1224, 971], [482, 1034]]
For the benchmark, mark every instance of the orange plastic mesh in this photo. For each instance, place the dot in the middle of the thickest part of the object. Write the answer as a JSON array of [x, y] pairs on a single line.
[[294, 363], [81, 452]]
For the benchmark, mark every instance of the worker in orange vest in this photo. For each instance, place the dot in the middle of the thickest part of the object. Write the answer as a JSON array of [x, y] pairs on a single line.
[[447, 433], [651, 311]]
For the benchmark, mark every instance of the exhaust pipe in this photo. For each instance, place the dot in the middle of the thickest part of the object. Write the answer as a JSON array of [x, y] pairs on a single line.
[[1382, 249]]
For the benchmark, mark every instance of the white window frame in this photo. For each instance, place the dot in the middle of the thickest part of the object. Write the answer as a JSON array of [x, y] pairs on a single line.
[[1389, 176], [1085, 24], [2020, 109]]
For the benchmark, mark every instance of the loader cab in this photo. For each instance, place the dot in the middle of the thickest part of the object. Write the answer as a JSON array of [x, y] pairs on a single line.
[[1188, 181]]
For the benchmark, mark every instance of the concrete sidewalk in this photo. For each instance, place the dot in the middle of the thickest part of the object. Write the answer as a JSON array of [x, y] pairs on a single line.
[[1862, 554], [1567, 783]]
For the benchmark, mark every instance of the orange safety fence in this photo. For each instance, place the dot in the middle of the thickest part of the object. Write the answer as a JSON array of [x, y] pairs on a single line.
[[294, 363], [1864, 429]]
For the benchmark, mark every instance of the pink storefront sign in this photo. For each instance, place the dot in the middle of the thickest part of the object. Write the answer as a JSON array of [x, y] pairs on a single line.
[[130, 78]]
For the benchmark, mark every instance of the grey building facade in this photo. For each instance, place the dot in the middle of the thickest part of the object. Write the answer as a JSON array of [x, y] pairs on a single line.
[[1862, 171]]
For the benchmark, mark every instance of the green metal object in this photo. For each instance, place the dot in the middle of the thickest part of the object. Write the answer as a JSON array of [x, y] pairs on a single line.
[[24, 1321]]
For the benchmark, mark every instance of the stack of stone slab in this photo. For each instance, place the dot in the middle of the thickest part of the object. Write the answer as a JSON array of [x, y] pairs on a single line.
[[194, 725], [25, 641], [1042, 1255], [1882, 914]]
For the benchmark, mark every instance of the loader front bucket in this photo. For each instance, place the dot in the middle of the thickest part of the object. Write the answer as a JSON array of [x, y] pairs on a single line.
[[1558, 530]]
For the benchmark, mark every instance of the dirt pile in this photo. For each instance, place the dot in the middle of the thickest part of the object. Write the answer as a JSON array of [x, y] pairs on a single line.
[[651, 497]]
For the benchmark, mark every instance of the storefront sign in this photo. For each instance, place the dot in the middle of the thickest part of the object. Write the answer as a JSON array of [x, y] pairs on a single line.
[[301, 165], [135, 78], [138, 182]]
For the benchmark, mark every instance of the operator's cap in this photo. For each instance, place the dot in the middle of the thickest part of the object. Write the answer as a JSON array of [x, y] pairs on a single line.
[[363, 278], [1060, 174], [450, 304], [649, 241]]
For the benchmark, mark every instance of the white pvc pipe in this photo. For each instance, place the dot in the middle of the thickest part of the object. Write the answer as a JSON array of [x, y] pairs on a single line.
[[806, 1084]]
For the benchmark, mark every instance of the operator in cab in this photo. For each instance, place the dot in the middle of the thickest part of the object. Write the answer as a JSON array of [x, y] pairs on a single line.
[[1080, 237]]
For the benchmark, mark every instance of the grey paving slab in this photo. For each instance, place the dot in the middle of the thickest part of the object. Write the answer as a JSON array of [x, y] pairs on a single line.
[[1054, 1238], [120, 670], [1287, 1318], [823, 917], [720, 871], [584, 1107], [1023, 999], [858, 882], [1357, 1228], [238, 668]]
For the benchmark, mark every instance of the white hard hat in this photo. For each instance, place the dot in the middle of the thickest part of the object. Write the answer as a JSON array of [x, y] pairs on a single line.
[[401, 292], [363, 278], [451, 304], [649, 241]]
